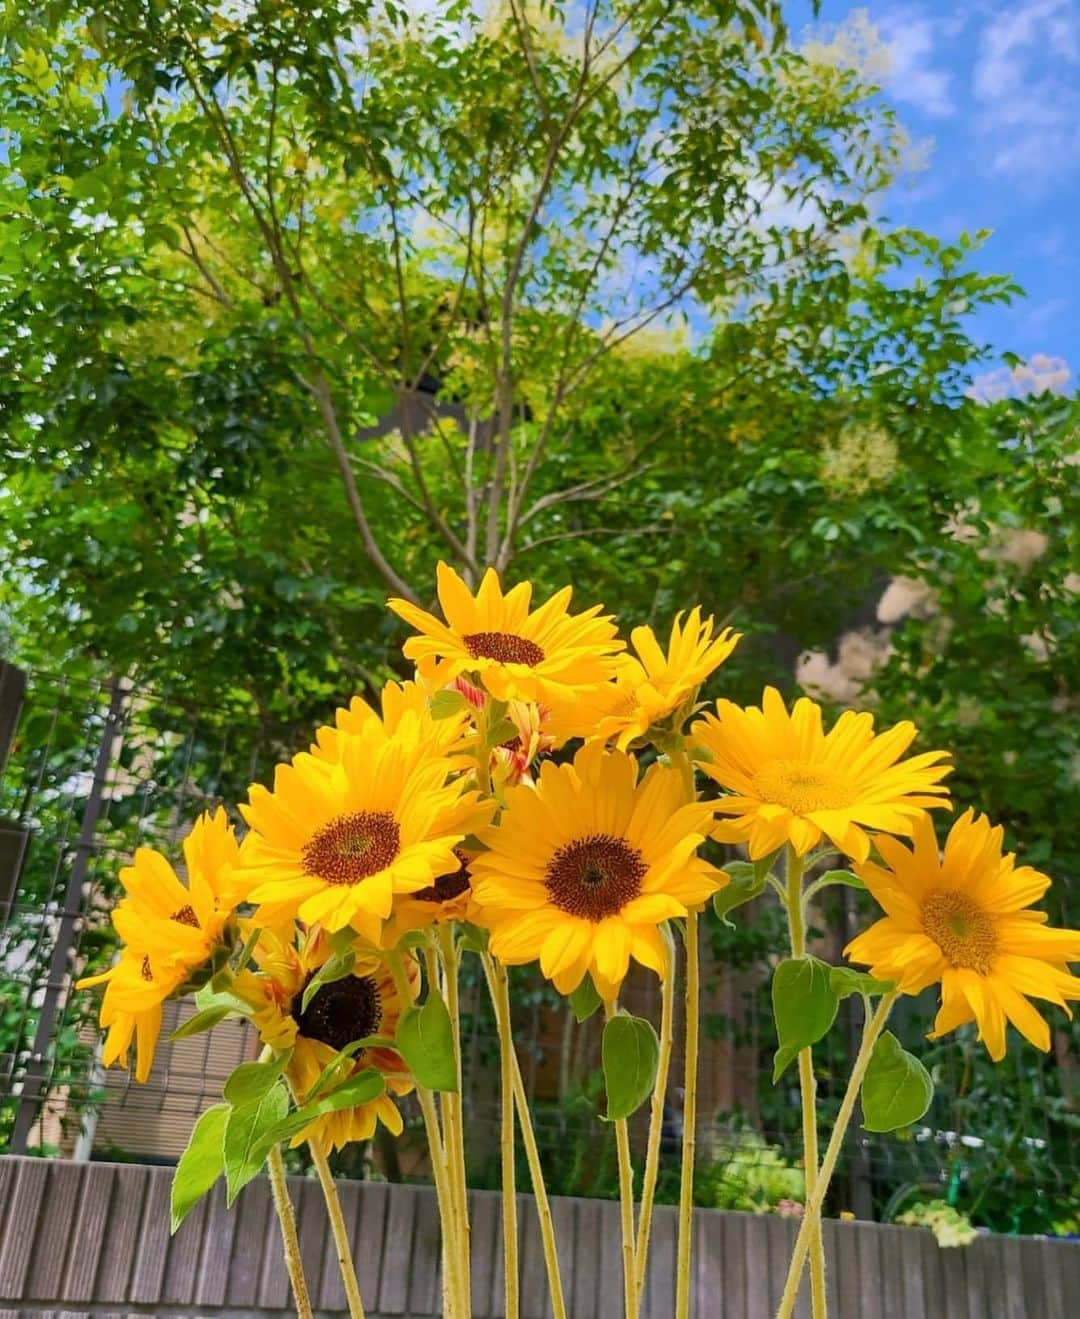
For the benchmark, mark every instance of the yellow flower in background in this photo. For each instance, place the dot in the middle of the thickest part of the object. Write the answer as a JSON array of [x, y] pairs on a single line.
[[334, 842], [584, 867], [545, 656], [648, 689], [962, 917], [365, 1002], [131, 1007], [405, 706], [170, 930], [791, 782], [449, 898]]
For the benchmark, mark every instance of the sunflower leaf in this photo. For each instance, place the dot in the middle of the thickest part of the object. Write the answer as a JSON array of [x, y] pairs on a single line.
[[630, 1053], [425, 1039], [446, 704], [473, 937], [585, 1000], [201, 1164], [205, 1020], [744, 884], [844, 877], [804, 1007], [896, 1089], [245, 1128], [334, 968], [844, 981], [359, 1089], [250, 1081], [337, 1065]]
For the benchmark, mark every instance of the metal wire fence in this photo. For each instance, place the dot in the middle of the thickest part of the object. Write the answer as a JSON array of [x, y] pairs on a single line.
[[96, 769]]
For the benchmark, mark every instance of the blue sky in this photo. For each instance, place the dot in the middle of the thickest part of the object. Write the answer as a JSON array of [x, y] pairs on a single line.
[[992, 88]]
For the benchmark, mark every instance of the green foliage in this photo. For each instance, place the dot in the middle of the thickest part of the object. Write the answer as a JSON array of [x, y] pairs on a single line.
[[949, 1226], [201, 1163], [804, 1007], [896, 1089], [247, 1135], [745, 884], [630, 1052], [425, 1040], [748, 1174], [585, 1000]]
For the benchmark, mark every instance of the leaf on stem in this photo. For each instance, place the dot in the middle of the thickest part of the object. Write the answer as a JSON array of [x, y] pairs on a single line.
[[896, 1089], [804, 1007], [245, 1131], [745, 884], [200, 1165], [585, 1000], [844, 981], [425, 1039], [250, 1081], [631, 1053]]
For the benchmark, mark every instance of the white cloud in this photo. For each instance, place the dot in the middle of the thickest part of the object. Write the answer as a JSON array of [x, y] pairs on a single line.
[[911, 39], [1026, 82], [1038, 375]]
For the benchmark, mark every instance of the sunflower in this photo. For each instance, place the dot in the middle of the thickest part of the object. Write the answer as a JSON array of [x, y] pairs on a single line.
[[962, 917], [364, 1002], [405, 705], [583, 868], [171, 930], [449, 898], [648, 689], [546, 656], [792, 782], [334, 842]]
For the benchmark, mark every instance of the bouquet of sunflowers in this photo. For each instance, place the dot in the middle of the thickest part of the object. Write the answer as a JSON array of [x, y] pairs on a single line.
[[534, 795]]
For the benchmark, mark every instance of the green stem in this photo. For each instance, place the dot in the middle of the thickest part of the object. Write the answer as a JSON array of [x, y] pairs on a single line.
[[656, 1116], [339, 1230], [871, 1032], [501, 996], [626, 1208], [689, 1137], [453, 1125], [289, 1239], [795, 902]]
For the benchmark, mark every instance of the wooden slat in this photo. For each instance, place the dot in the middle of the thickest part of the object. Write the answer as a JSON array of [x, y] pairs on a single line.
[[368, 1239], [424, 1271], [151, 1253], [659, 1293], [122, 1235], [1053, 1257], [90, 1224], [608, 1262], [533, 1275], [734, 1251], [274, 1290], [27, 1189], [933, 1271], [486, 1257], [563, 1217], [832, 1228], [45, 1280], [213, 1280], [312, 1226], [756, 1255], [978, 1274], [185, 1252], [890, 1257], [254, 1232], [913, 1279], [585, 1257], [847, 1267], [954, 1275], [327, 1288], [397, 1254]]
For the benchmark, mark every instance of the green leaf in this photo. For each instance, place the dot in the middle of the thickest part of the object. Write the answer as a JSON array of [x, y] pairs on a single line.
[[844, 877], [804, 1007], [630, 1053], [446, 704], [200, 1164], [503, 730], [250, 1081], [245, 1131], [844, 981], [205, 1020], [896, 1089], [763, 865], [342, 1063], [336, 967], [473, 937], [585, 1000], [425, 1039], [745, 884], [359, 1089]]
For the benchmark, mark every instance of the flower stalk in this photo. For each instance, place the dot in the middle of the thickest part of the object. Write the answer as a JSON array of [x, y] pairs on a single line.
[[339, 1230], [689, 1133], [290, 1241], [656, 1114]]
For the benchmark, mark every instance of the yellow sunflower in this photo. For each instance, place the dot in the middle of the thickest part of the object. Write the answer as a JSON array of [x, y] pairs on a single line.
[[545, 656], [405, 706], [792, 783], [962, 917], [171, 930], [360, 1004], [583, 868], [648, 689], [449, 898], [334, 842]]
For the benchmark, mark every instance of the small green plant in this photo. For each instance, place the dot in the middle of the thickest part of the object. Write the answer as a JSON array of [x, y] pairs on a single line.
[[750, 1175], [949, 1226]]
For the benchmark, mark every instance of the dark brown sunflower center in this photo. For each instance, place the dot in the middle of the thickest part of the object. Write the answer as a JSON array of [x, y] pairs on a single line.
[[961, 929], [595, 877], [447, 887], [342, 1011], [504, 647], [186, 916], [351, 847]]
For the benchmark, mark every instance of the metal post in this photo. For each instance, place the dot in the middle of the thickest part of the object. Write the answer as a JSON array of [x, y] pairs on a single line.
[[35, 1080]]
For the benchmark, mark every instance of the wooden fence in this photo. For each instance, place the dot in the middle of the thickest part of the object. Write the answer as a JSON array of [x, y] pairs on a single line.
[[91, 1241]]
